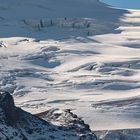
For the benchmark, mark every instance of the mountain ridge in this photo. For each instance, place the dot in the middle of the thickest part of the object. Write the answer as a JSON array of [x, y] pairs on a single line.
[[16, 124]]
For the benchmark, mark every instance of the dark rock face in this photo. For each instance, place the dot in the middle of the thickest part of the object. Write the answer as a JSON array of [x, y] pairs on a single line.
[[16, 124], [8, 107]]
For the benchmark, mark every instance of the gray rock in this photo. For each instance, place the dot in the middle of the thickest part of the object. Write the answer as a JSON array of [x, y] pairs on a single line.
[[16, 124]]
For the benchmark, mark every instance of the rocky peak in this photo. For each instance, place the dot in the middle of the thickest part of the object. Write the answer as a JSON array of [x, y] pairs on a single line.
[[8, 107], [68, 121], [16, 124]]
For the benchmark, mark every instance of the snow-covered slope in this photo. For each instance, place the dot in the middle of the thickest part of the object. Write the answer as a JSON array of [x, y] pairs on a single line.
[[28, 9], [128, 134], [68, 61], [52, 19]]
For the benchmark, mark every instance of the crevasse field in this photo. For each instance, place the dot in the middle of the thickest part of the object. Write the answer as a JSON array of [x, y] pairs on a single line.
[[77, 54]]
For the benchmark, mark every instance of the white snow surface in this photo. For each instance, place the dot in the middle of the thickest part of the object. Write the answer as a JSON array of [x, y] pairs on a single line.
[[77, 54]]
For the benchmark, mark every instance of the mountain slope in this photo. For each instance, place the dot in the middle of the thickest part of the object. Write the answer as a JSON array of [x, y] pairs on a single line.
[[29, 9], [55, 19], [17, 124], [126, 134]]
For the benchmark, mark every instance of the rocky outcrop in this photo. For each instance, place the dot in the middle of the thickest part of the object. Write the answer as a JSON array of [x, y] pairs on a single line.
[[16, 124], [11, 113], [68, 121]]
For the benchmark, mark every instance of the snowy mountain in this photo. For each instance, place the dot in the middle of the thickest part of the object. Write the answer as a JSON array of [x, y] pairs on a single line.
[[29, 9], [81, 55], [56, 19], [17, 124]]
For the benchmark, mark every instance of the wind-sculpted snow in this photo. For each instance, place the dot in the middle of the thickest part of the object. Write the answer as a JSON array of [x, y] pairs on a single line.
[[86, 60]]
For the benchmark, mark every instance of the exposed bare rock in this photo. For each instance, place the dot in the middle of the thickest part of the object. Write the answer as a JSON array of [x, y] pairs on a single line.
[[16, 124], [68, 121]]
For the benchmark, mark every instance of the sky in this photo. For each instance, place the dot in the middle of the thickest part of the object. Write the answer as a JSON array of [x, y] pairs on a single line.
[[130, 4]]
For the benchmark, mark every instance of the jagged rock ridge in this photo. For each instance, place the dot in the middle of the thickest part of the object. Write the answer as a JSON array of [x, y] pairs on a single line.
[[16, 124]]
